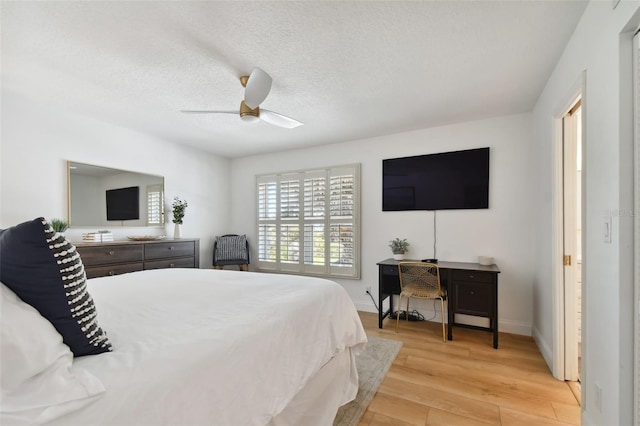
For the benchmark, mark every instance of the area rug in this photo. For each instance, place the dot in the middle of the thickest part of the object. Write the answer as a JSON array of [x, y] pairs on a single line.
[[372, 366]]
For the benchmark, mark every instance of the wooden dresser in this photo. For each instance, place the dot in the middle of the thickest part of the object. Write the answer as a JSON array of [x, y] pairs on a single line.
[[119, 257]]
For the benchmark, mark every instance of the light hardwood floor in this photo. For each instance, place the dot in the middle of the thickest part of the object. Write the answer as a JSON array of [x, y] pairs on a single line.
[[465, 381]]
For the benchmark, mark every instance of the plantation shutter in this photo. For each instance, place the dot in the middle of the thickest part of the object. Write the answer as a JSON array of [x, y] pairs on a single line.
[[308, 222], [155, 205]]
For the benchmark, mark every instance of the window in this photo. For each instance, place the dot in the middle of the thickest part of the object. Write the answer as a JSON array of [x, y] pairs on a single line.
[[309, 222], [155, 205]]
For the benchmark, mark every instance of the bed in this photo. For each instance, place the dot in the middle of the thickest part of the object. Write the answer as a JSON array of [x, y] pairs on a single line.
[[195, 346]]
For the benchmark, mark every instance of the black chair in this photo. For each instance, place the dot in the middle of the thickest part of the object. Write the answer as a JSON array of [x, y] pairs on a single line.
[[231, 249]]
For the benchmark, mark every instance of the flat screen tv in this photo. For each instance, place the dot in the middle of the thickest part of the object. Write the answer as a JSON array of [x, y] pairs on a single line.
[[443, 181], [123, 203]]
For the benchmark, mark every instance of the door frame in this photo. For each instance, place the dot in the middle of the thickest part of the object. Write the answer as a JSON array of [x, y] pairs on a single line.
[[577, 91], [636, 224]]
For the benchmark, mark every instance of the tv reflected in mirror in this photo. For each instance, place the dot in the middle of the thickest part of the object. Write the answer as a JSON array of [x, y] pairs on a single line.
[[123, 203], [106, 197]]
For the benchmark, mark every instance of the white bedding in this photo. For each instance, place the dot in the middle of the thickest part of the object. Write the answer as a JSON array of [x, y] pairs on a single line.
[[215, 347]]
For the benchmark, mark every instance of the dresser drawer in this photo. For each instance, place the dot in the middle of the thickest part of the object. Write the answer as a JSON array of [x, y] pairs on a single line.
[[473, 276], [169, 249], [182, 262], [105, 271], [474, 298], [108, 254]]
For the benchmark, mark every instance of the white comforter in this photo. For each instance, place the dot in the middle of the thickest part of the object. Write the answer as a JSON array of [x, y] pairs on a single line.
[[211, 347]]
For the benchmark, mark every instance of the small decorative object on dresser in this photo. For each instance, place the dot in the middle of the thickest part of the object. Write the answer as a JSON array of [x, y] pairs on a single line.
[[102, 236], [59, 225], [399, 248], [146, 237], [179, 206]]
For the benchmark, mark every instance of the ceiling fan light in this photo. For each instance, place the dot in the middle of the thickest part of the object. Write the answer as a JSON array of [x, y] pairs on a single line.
[[248, 114], [249, 118]]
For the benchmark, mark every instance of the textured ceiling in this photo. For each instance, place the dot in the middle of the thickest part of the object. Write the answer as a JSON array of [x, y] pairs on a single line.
[[347, 69]]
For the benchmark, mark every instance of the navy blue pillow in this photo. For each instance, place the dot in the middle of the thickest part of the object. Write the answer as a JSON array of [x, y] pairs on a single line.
[[44, 269]]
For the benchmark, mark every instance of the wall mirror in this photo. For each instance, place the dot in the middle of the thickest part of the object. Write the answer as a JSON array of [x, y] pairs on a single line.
[[108, 198]]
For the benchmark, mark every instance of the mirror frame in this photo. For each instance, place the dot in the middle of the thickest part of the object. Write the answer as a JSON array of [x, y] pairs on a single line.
[[115, 224]]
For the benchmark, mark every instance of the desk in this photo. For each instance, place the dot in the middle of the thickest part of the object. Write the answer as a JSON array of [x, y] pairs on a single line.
[[472, 289]]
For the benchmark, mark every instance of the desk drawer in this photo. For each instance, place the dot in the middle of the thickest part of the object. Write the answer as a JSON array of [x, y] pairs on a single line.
[[169, 249], [109, 254], [183, 262], [474, 298], [472, 276], [105, 271], [389, 270]]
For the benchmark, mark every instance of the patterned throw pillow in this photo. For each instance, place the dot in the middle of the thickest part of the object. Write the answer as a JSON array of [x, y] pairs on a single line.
[[231, 247], [44, 269]]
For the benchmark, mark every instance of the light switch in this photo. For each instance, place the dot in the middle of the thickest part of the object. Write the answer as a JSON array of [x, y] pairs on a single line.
[[607, 229]]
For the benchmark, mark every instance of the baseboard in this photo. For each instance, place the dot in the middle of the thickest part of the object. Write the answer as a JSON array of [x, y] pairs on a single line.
[[505, 326], [365, 306], [585, 419], [514, 327], [543, 347]]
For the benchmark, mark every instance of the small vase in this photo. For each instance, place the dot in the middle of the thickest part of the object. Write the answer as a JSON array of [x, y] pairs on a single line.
[[176, 231], [398, 256]]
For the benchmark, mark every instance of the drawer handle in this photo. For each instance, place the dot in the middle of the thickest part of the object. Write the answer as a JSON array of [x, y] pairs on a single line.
[[472, 292], [171, 248], [471, 277], [171, 265], [111, 273], [111, 253]]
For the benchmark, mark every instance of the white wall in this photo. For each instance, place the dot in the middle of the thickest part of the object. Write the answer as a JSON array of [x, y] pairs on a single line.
[[37, 140], [503, 231], [598, 47]]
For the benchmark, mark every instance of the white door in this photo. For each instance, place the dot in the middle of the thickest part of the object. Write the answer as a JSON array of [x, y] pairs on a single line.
[[572, 192]]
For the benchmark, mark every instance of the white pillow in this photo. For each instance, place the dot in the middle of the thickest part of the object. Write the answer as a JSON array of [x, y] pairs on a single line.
[[36, 368]]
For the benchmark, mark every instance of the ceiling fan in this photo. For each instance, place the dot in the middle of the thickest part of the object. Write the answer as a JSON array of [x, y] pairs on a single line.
[[256, 88]]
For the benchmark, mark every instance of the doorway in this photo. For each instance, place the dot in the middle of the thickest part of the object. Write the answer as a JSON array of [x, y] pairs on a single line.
[[568, 245], [572, 241]]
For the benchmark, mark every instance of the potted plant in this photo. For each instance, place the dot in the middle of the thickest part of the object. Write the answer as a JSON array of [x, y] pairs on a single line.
[[59, 225], [179, 206], [399, 248]]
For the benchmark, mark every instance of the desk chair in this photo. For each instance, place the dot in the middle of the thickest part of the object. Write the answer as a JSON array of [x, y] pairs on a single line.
[[231, 249], [420, 280]]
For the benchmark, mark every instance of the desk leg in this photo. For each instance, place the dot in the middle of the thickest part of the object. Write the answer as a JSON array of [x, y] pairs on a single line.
[[450, 317], [450, 309], [495, 311], [381, 313]]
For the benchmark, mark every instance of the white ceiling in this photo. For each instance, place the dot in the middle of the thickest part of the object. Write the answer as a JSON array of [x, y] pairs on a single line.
[[347, 69]]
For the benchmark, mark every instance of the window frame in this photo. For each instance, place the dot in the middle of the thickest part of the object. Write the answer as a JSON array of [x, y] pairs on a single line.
[[269, 214]]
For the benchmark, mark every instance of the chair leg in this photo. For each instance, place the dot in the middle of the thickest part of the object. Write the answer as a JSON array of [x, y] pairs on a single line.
[[407, 313], [444, 334], [398, 313]]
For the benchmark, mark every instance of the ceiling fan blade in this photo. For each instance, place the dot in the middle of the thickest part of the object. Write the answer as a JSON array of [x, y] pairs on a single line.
[[278, 119], [257, 88], [189, 111]]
